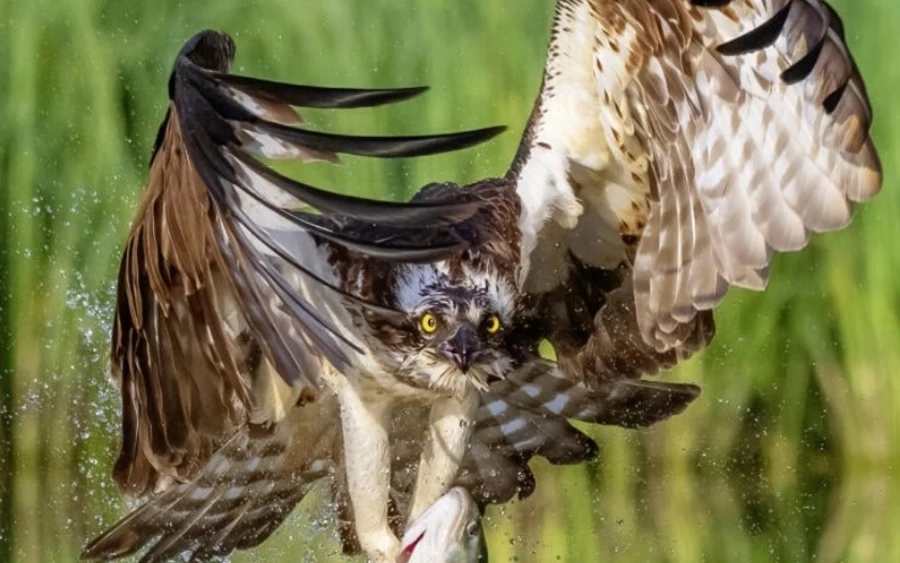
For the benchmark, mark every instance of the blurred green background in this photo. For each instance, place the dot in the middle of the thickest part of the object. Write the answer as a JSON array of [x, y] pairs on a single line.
[[791, 454]]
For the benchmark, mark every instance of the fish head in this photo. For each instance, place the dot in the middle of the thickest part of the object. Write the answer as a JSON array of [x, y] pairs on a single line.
[[448, 532]]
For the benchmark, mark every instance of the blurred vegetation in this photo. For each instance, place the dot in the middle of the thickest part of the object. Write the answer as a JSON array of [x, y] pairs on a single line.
[[789, 455]]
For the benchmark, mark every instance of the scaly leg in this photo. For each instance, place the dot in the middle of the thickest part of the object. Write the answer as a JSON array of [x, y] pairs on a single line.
[[449, 428], [367, 455]]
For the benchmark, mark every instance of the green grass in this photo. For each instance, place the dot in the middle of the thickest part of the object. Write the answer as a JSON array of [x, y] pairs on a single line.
[[789, 455]]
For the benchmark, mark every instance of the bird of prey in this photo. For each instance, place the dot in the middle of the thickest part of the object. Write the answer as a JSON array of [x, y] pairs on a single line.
[[674, 147], [257, 314]]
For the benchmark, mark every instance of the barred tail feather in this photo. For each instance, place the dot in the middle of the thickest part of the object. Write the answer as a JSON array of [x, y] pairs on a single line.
[[244, 492], [541, 387], [635, 403], [528, 413]]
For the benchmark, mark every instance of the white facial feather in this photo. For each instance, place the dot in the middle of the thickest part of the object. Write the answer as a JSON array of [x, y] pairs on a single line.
[[420, 282], [430, 287]]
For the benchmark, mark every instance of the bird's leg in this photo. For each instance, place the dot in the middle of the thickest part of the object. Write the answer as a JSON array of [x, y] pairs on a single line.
[[367, 456], [449, 428]]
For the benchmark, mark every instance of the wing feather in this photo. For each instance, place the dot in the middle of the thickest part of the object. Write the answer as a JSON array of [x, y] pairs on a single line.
[[245, 490], [738, 129], [529, 414], [227, 305]]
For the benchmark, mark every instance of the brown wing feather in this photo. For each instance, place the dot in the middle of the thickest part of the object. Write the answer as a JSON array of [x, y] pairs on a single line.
[[181, 370], [591, 321], [220, 319]]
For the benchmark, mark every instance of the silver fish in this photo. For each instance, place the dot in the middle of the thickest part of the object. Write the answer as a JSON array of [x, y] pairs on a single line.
[[448, 532]]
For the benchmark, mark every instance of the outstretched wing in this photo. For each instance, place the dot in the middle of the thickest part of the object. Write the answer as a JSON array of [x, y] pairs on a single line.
[[686, 140], [226, 306]]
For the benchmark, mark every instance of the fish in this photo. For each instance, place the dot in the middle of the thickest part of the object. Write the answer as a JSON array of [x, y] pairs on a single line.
[[449, 531]]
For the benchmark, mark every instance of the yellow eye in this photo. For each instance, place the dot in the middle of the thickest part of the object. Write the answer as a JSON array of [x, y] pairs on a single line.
[[492, 325], [429, 323]]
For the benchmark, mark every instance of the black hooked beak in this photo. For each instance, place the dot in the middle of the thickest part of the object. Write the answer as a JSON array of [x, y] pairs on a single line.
[[462, 347]]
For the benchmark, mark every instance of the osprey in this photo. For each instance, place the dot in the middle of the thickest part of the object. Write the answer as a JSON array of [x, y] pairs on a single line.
[[675, 145], [258, 315]]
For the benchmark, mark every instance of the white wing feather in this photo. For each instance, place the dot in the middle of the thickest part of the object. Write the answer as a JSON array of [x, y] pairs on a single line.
[[716, 135]]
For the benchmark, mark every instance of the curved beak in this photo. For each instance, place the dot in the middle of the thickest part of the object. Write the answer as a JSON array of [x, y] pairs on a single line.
[[462, 347]]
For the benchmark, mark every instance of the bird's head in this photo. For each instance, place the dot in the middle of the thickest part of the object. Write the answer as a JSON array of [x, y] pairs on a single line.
[[455, 327]]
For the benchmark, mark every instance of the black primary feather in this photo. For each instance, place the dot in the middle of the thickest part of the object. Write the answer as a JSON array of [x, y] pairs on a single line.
[[224, 116]]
